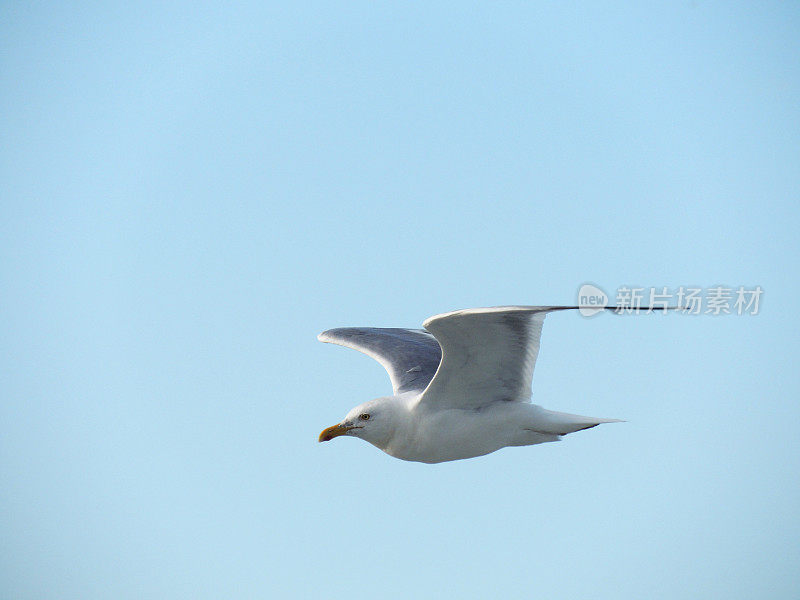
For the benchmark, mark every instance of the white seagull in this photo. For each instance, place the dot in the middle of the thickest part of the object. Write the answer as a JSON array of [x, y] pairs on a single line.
[[461, 389]]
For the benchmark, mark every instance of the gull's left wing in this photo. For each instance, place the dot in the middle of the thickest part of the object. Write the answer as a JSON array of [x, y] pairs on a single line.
[[488, 355], [410, 356]]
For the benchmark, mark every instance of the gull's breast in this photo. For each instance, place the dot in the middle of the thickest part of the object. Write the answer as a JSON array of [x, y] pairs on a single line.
[[454, 434]]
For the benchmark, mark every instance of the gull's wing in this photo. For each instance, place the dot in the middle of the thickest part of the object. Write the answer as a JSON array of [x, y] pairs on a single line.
[[488, 355], [410, 356]]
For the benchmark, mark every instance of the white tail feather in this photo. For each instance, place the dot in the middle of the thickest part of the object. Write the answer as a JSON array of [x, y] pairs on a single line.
[[563, 423]]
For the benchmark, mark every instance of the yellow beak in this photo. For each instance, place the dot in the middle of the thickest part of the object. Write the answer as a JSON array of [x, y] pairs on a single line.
[[332, 432]]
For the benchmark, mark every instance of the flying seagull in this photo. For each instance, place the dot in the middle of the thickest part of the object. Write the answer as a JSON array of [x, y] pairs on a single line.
[[461, 386]]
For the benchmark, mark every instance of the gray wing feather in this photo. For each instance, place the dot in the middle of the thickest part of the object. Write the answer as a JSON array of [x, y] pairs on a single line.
[[410, 356], [488, 355]]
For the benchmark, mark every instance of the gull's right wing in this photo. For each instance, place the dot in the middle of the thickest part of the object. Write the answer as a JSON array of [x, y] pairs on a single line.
[[410, 356]]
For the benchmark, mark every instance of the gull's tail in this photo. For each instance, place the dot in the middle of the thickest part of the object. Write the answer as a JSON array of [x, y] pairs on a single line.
[[563, 423]]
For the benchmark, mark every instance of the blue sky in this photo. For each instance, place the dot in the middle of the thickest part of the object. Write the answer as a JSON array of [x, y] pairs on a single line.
[[191, 192]]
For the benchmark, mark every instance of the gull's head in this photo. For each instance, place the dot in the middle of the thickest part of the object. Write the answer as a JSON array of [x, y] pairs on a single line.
[[373, 421]]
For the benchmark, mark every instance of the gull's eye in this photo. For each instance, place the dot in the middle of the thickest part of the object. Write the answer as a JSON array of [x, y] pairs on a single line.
[[364, 416]]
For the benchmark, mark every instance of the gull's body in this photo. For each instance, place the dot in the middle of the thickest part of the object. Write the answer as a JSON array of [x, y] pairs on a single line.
[[454, 433], [462, 386]]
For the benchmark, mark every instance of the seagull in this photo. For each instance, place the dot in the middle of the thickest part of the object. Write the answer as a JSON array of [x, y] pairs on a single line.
[[461, 386]]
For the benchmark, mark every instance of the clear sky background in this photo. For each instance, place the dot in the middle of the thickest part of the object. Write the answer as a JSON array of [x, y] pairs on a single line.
[[191, 192]]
